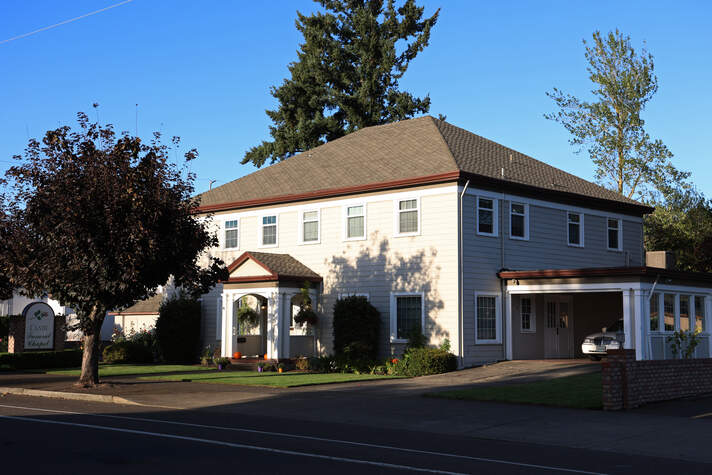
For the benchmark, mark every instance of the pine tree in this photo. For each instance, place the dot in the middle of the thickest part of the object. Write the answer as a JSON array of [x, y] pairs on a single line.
[[346, 76]]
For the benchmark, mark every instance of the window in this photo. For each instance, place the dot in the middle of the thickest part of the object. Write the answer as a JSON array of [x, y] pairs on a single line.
[[343, 295], [487, 318], [519, 221], [408, 217], [614, 234], [669, 312], [526, 314], [685, 312], [231, 234], [486, 216], [407, 314], [575, 228], [699, 313], [655, 312], [310, 227], [356, 222], [269, 230]]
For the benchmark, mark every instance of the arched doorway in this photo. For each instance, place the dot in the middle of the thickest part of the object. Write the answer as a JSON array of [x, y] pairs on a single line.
[[250, 338]]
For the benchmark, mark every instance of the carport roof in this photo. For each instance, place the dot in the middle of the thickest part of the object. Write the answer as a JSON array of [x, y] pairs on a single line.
[[612, 272]]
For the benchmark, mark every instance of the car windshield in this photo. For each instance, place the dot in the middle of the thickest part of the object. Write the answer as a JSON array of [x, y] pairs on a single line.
[[615, 327]]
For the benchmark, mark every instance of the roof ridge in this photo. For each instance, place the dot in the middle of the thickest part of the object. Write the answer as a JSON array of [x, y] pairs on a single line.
[[435, 122]]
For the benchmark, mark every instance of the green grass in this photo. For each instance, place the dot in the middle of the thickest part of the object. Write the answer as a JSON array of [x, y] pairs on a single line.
[[133, 369], [284, 380], [581, 392]]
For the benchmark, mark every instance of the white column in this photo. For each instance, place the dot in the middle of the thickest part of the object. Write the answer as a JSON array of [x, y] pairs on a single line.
[[285, 306], [274, 335], [228, 321], [627, 321], [639, 319], [508, 326]]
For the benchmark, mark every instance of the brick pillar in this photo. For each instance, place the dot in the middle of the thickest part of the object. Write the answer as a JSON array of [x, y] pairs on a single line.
[[16, 334], [616, 378]]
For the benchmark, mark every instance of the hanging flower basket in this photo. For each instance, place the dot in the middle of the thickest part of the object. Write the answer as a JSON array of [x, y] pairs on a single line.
[[248, 317], [305, 315]]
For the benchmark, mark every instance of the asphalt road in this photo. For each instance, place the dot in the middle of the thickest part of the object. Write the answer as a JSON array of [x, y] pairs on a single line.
[[39, 435]]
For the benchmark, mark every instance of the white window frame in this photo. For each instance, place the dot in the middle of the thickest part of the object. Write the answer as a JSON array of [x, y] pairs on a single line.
[[581, 227], [532, 315], [495, 215], [394, 314], [397, 211], [498, 318], [343, 295], [224, 234], [262, 230], [620, 234], [301, 226], [345, 228], [526, 221]]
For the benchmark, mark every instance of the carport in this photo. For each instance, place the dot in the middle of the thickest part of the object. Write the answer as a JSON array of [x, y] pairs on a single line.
[[548, 313]]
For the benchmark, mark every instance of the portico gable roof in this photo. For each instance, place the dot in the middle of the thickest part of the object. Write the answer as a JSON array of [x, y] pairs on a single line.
[[268, 267]]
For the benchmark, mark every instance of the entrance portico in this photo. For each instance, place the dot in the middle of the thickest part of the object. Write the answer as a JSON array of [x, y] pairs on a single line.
[[274, 280]]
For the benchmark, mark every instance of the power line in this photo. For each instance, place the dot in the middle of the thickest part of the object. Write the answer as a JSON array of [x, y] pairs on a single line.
[[25, 35]]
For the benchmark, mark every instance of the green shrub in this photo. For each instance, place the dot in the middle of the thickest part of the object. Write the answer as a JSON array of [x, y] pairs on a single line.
[[302, 364], [422, 361], [4, 332], [127, 352], [357, 325], [178, 330], [223, 361], [41, 359]]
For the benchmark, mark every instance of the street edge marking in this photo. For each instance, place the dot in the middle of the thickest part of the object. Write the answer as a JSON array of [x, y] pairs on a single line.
[[234, 445], [308, 437], [106, 398]]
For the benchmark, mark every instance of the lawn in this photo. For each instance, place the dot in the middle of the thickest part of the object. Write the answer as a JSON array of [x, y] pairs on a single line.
[[134, 369], [284, 380], [581, 392]]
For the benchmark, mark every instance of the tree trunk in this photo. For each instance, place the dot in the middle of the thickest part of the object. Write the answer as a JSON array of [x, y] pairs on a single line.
[[90, 359]]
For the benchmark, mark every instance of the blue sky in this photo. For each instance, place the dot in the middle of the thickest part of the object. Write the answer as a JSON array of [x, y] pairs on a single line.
[[202, 71]]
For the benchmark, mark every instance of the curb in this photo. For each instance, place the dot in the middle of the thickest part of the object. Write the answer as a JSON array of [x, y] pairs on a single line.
[[67, 395]]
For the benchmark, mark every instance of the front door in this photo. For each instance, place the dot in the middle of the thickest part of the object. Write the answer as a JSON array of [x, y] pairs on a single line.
[[557, 334]]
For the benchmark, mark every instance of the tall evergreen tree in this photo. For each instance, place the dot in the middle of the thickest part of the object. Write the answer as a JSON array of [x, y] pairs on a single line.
[[346, 76], [627, 159]]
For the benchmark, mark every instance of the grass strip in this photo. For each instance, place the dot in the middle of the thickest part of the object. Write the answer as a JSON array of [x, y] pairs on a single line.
[[284, 380], [580, 392]]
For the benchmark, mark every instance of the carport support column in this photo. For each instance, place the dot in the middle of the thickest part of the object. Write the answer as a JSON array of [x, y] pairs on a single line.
[[627, 320], [508, 325]]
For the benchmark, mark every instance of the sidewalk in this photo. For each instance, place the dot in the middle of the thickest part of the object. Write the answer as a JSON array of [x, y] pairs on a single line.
[[399, 403]]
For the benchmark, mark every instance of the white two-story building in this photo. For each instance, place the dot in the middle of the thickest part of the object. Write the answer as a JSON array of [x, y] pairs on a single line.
[[501, 254]]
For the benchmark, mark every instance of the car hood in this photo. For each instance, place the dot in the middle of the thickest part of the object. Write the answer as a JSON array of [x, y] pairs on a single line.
[[602, 334]]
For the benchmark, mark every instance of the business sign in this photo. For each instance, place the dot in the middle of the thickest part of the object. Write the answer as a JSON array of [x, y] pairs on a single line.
[[39, 326]]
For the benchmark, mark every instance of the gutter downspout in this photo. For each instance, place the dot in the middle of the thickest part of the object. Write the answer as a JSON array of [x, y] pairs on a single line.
[[461, 278]]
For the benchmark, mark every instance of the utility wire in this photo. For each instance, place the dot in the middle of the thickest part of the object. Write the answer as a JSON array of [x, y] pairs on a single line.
[[25, 35]]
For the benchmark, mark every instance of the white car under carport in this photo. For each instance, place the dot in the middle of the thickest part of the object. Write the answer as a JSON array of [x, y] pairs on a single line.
[[596, 345]]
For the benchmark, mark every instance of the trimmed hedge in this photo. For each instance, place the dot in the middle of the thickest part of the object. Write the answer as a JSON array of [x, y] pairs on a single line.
[[357, 324], [127, 352], [41, 359], [178, 330], [424, 361]]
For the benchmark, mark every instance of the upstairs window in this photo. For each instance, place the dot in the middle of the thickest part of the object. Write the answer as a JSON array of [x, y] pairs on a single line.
[[575, 229], [231, 234], [519, 221], [310, 226], [269, 230], [614, 234], [408, 219], [486, 216], [356, 222]]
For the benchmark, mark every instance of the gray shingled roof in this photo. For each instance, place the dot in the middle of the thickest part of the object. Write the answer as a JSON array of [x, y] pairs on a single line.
[[148, 306], [404, 150], [284, 265]]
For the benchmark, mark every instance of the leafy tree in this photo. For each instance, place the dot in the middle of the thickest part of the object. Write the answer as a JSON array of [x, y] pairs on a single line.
[[627, 159], [682, 223], [6, 286], [178, 330], [346, 76], [100, 221]]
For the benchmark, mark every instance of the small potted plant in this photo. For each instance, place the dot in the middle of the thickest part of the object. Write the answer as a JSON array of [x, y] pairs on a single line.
[[222, 363], [281, 367], [261, 366]]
